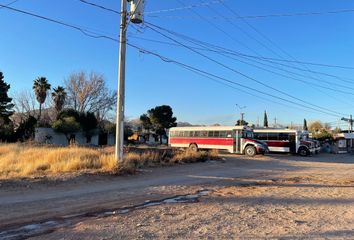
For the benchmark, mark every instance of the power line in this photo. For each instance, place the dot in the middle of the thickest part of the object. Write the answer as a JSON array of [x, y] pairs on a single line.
[[278, 47], [276, 15], [222, 2], [234, 70], [203, 48], [86, 32], [10, 3], [262, 44], [100, 6], [220, 29], [184, 8], [304, 62], [228, 52], [186, 66]]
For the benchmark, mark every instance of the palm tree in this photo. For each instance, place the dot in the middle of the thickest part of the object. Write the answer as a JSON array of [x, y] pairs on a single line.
[[59, 97], [40, 87]]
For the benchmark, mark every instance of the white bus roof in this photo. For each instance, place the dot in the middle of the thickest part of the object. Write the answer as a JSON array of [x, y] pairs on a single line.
[[275, 130], [210, 128]]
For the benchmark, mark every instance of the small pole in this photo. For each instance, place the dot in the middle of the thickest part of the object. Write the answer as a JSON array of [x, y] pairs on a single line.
[[121, 84], [241, 113], [351, 123], [241, 122]]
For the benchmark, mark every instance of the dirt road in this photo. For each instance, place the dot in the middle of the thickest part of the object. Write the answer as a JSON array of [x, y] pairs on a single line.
[[266, 197]]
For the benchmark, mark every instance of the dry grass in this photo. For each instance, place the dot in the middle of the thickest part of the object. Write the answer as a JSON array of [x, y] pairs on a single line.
[[19, 161], [31, 161]]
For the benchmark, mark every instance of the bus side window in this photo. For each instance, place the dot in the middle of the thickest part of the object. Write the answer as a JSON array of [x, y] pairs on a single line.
[[203, 134], [172, 134], [284, 136], [223, 134], [216, 134], [196, 134], [273, 136], [210, 134], [229, 134]]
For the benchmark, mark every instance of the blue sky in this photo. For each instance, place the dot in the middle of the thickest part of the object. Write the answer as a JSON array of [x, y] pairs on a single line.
[[32, 47]]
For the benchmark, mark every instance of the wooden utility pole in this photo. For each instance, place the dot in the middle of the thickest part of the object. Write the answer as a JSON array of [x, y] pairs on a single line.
[[121, 83]]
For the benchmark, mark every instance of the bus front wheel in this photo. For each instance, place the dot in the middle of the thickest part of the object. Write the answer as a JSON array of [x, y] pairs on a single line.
[[250, 151], [303, 152], [193, 147]]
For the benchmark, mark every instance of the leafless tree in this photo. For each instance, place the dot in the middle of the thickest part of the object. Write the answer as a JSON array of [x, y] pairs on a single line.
[[89, 93], [25, 103]]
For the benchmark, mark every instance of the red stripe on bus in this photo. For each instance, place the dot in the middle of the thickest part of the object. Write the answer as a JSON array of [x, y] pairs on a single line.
[[203, 141], [278, 143]]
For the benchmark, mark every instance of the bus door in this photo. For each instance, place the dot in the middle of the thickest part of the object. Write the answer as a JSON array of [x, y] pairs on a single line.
[[292, 142], [237, 141]]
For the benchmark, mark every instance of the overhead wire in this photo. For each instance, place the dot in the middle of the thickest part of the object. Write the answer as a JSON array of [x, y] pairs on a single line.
[[220, 53], [184, 8], [100, 6], [86, 32], [276, 15], [186, 66], [151, 26], [202, 44], [248, 35], [271, 42], [218, 1], [278, 55], [10, 3]]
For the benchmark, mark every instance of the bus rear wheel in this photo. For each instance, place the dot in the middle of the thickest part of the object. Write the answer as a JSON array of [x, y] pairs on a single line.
[[193, 147], [250, 151]]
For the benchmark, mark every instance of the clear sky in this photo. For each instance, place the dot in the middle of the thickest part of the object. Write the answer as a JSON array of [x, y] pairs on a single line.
[[31, 47]]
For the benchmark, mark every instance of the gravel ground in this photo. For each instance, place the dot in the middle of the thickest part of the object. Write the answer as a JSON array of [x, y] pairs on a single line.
[[292, 198]]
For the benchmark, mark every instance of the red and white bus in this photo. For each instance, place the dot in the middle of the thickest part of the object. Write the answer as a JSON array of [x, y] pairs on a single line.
[[285, 140], [234, 139]]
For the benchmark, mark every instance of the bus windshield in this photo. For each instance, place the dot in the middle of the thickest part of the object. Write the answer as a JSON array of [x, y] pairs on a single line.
[[247, 134]]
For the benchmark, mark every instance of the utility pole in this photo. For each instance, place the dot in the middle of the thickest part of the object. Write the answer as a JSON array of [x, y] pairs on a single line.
[[121, 83], [242, 114], [275, 122], [350, 121], [136, 17]]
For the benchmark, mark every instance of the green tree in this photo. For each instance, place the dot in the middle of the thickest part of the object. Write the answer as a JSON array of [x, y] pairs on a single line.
[[88, 123], [68, 126], [41, 87], [305, 128], [241, 123], [59, 97], [145, 122], [5, 101], [265, 122], [26, 129], [69, 112], [161, 118], [6, 131]]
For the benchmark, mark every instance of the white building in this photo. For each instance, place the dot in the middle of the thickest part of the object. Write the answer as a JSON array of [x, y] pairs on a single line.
[[49, 136], [344, 142]]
